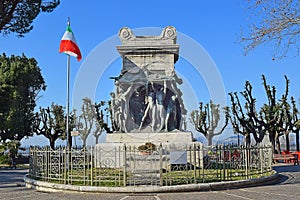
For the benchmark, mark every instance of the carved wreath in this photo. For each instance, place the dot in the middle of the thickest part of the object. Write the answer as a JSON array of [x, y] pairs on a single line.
[[148, 147]]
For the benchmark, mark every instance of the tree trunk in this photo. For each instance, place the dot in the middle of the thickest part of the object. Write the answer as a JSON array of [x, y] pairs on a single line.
[[69, 140], [278, 148], [297, 140], [273, 142], [258, 137], [209, 138], [97, 138], [287, 142], [247, 139], [52, 143], [274, 146], [84, 141]]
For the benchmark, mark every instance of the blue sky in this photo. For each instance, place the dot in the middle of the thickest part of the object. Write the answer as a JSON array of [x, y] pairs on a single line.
[[214, 25]]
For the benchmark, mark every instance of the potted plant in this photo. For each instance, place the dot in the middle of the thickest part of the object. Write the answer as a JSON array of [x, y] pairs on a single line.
[[147, 148]]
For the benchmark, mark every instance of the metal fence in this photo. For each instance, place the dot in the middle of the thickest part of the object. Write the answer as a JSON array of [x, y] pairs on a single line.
[[120, 165]]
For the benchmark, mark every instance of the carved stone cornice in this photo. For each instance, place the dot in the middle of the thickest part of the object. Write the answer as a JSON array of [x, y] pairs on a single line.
[[167, 36], [165, 43]]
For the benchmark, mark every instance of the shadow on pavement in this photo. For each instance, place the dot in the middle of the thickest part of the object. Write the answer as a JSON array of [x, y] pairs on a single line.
[[286, 168], [288, 174], [12, 177]]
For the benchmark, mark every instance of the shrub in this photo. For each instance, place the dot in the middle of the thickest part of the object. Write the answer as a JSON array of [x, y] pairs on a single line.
[[4, 159]]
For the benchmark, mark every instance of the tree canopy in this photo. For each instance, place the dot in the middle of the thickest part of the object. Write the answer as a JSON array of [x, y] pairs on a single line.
[[274, 22], [16, 16], [20, 83]]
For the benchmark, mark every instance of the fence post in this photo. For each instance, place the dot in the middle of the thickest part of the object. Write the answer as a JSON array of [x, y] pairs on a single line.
[[66, 165], [195, 163], [124, 166], [270, 153], [48, 154], [261, 157], [247, 159], [160, 166], [91, 164], [224, 149], [32, 162], [201, 161]]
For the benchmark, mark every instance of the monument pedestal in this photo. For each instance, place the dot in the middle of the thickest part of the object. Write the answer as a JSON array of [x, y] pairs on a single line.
[[155, 138], [112, 153]]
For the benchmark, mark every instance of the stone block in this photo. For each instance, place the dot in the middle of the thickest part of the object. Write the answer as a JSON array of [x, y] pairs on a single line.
[[156, 138]]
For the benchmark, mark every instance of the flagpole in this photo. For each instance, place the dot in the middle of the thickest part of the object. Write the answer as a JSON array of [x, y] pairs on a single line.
[[68, 103], [69, 144], [68, 45]]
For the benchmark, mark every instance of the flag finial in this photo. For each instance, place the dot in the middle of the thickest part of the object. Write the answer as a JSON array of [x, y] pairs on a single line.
[[68, 21]]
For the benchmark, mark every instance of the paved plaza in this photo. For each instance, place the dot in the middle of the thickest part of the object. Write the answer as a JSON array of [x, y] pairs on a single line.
[[287, 187]]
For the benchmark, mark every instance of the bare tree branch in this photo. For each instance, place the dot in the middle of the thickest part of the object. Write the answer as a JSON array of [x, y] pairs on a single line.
[[274, 22]]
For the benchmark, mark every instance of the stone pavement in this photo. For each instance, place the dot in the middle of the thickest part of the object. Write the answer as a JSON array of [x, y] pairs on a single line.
[[286, 187]]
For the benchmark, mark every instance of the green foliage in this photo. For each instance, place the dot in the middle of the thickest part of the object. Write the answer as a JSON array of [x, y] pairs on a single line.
[[4, 159], [16, 16], [12, 147], [20, 83]]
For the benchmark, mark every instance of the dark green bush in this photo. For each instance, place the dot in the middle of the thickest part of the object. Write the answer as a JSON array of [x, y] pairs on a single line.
[[4, 159]]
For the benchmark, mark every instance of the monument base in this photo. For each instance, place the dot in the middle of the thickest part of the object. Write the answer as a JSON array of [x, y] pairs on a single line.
[[155, 138], [112, 154]]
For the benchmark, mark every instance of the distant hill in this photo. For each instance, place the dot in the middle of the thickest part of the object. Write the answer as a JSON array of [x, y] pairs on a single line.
[[233, 139], [230, 140]]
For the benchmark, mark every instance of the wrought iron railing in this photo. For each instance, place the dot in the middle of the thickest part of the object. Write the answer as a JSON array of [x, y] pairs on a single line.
[[174, 164]]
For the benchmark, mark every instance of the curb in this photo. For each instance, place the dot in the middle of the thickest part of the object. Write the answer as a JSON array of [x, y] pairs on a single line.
[[53, 187]]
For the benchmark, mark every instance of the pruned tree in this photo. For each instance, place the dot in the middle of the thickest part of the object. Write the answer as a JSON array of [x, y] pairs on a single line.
[[100, 117], [287, 120], [295, 122], [97, 133], [51, 123], [276, 114], [207, 119], [16, 16], [273, 118], [101, 124], [274, 22], [245, 119], [85, 121]]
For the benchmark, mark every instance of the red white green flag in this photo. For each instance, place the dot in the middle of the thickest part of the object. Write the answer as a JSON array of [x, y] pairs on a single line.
[[68, 44]]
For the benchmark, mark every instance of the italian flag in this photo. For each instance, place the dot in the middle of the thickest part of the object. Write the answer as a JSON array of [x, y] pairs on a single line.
[[68, 44]]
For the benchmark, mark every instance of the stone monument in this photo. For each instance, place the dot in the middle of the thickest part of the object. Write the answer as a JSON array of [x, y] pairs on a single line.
[[147, 104]]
